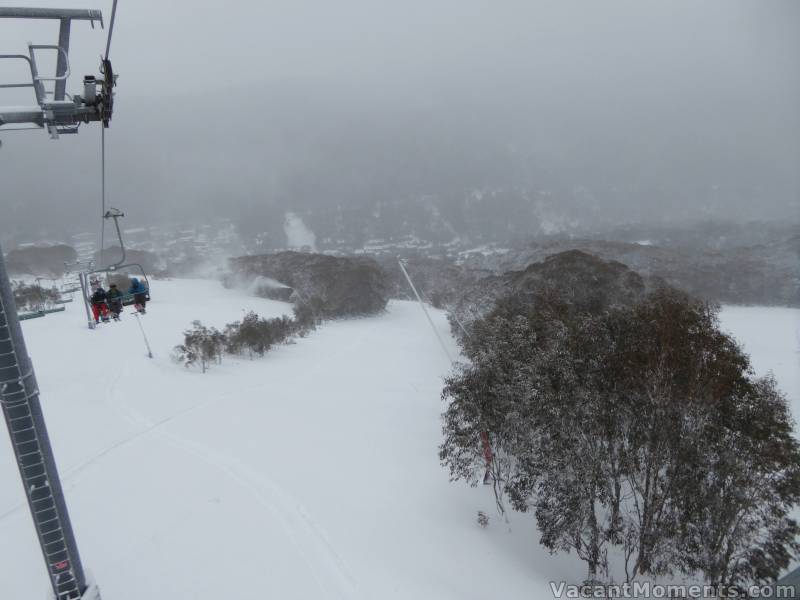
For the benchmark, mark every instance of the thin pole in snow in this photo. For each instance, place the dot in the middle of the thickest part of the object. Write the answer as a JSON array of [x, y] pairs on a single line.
[[487, 447], [85, 294], [425, 310], [146, 343]]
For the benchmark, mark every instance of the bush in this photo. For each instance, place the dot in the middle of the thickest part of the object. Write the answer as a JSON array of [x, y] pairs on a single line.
[[307, 314], [252, 335], [256, 335], [201, 345], [34, 297]]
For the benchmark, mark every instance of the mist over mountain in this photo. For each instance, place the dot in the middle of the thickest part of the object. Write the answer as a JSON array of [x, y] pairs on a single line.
[[549, 249], [455, 121]]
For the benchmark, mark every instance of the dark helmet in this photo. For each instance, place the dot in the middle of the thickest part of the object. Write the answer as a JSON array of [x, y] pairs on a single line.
[[113, 285]]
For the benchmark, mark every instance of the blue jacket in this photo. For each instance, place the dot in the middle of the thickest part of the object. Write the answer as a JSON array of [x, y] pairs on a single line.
[[137, 287]]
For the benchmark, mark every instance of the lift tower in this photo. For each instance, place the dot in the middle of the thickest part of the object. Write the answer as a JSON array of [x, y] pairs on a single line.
[[58, 113]]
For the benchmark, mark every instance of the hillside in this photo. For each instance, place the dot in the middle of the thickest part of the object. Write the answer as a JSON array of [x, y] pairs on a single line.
[[311, 473], [766, 273]]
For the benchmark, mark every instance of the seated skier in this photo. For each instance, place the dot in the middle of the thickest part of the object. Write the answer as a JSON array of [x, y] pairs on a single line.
[[114, 296], [99, 307], [139, 292]]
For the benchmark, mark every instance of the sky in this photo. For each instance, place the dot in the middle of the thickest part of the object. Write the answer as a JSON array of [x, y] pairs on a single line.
[[299, 103]]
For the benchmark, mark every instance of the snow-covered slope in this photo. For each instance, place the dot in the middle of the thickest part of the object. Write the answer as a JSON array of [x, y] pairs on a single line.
[[771, 335], [311, 473]]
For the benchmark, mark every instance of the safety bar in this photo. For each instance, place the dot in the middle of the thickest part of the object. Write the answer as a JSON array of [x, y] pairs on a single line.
[[62, 77], [30, 65]]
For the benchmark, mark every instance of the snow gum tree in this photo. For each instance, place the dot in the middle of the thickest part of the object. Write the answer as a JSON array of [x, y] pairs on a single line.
[[638, 427], [201, 345], [738, 528]]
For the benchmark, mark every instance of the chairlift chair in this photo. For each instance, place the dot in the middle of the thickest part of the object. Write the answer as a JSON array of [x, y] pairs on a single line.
[[115, 214], [139, 274], [86, 276]]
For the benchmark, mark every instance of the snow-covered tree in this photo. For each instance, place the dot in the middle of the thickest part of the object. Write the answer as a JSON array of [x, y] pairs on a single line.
[[640, 427], [739, 529], [256, 335], [34, 296], [201, 345]]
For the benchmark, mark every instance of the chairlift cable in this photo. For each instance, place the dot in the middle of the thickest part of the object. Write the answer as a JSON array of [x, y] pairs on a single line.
[[103, 141], [111, 27], [102, 191]]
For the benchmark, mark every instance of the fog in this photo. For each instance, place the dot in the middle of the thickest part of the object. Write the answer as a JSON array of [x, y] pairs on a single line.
[[617, 111]]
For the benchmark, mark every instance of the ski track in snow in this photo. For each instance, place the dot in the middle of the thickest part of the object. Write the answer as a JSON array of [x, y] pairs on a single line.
[[295, 519], [70, 477], [325, 565]]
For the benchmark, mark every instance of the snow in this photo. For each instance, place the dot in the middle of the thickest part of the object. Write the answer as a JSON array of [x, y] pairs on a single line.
[[771, 335], [262, 282], [311, 473], [484, 250], [298, 235]]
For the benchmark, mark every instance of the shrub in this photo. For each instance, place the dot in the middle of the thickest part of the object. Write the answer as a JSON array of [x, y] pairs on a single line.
[[201, 345], [256, 335], [34, 296], [252, 335], [307, 314]]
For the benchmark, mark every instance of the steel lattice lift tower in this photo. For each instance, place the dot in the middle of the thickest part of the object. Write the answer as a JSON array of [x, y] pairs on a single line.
[[58, 113]]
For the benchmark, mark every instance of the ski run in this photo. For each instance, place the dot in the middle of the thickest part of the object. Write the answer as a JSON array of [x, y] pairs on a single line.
[[311, 473]]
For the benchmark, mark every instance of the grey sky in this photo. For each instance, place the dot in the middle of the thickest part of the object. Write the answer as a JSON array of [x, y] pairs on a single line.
[[611, 91]]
